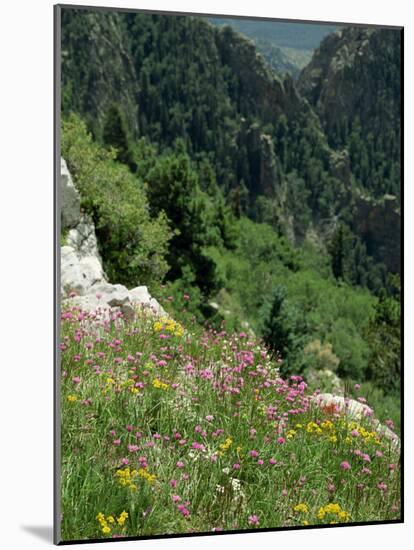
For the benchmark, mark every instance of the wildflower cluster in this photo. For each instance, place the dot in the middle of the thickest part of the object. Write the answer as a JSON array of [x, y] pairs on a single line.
[[207, 418], [107, 523], [168, 326], [333, 513], [301, 508], [159, 385], [225, 446], [126, 478], [142, 472]]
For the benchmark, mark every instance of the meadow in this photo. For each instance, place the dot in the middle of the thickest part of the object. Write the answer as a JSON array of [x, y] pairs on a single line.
[[170, 427]]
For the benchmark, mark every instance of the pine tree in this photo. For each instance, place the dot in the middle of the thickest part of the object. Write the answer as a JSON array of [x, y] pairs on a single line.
[[115, 134], [336, 249]]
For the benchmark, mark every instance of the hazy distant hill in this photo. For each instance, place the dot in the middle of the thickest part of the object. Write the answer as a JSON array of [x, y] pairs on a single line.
[[287, 47]]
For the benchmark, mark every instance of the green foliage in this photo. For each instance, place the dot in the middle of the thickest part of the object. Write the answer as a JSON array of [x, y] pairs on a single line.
[[212, 137], [384, 337], [64, 236], [337, 249], [116, 134], [133, 244], [320, 356], [280, 327], [172, 187], [350, 261], [352, 349]]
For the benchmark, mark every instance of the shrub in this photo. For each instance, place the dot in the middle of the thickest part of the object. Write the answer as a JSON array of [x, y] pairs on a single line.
[[132, 244]]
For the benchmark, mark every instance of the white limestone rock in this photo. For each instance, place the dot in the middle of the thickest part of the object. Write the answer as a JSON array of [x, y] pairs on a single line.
[[70, 198], [78, 274], [140, 296], [83, 238]]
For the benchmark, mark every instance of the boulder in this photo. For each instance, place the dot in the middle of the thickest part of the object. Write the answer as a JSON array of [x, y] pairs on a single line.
[[140, 295], [69, 197], [355, 411], [83, 280], [83, 238], [78, 274]]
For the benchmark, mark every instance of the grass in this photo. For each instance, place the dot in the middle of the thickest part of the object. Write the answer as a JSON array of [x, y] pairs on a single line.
[[168, 430]]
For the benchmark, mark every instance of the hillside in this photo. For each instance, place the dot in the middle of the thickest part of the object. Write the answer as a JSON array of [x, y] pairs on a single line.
[[353, 83], [230, 295], [239, 172], [287, 46]]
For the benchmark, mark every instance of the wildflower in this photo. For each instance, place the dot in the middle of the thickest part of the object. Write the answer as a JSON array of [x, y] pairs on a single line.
[[122, 518], [183, 510], [389, 423], [254, 454], [345, 465], [272, 461], [331, 510], [142, 472], [126, 478], [301, 508], [253, 520], [236, 466], [72, 398], [281, 440], [159, 385]]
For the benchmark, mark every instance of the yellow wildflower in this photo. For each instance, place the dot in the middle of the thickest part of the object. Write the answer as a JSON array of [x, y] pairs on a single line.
[[142, 472], [301, 508], [122, 518], [159, 385]]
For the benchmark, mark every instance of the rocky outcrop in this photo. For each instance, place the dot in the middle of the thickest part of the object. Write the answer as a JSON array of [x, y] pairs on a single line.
[[70, 199], [356, 411], [83, 281]]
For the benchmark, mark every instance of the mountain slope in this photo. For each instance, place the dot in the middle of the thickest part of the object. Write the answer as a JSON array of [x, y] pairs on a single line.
[[280, 153], [353, 82]]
